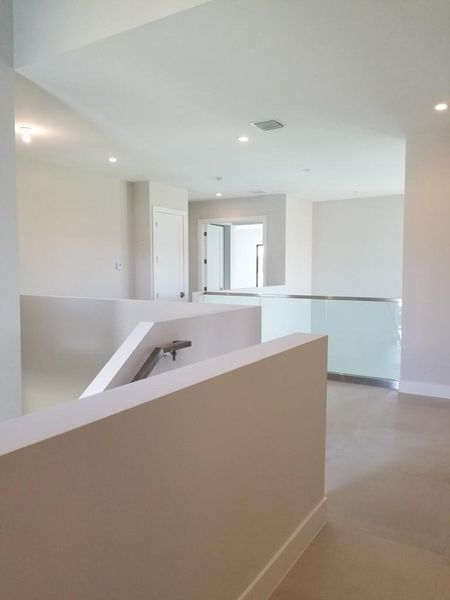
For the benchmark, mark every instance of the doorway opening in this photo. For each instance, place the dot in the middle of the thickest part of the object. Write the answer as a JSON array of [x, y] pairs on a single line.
[[232, 254]]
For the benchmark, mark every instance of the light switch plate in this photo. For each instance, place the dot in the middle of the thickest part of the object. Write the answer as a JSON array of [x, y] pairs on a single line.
[[119, 266]]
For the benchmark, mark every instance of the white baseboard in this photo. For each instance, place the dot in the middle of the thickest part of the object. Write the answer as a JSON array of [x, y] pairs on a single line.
[[420, 388], [284, 559]]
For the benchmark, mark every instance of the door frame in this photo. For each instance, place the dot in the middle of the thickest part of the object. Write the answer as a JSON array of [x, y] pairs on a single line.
[[202, 223], [185, 262], [205, 246]]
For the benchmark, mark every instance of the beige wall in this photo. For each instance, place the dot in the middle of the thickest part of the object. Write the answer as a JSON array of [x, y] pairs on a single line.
[[426, 275], [357, 247], [74, 226], [72, 231], [341, 247], [187, 490], [10, 400], [140, 246], [272, 207], [144, 197]]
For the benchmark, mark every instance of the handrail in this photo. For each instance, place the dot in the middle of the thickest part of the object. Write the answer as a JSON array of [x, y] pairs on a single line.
[[302, 296], [156, 354]]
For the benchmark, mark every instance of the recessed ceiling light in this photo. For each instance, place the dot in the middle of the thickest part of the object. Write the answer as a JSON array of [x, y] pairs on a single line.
[[441, 106], [219, 194], [25, 133], [243, 138], [112, 159], [28, 132]]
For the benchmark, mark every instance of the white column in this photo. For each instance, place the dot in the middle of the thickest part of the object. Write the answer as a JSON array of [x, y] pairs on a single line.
[[426, 268], [299, 214], [10, 387]]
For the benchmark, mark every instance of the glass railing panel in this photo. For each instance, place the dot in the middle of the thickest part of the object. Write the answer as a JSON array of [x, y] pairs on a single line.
[[284, 316], [212, 298], [364, 338], [319, 317]]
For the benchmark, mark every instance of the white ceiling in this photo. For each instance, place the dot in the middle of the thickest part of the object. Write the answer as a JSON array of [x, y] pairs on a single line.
[[350, 80], [43, 28]]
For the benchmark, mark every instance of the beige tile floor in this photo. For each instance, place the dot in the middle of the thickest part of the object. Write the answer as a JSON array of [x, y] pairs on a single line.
[[388, 485]]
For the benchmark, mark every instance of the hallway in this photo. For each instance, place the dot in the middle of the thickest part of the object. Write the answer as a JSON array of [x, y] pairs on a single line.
[[388, 485]]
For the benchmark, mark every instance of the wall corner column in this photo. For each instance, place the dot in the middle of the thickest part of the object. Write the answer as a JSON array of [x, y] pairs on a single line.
[[10, 370], [426, 259]]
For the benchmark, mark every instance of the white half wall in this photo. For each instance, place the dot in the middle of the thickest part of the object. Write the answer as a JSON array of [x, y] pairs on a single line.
[[10, 392], [67, 341], [73, 228], [203, 483], [426, 281], [271, 207], [357, 247], [211, 333]]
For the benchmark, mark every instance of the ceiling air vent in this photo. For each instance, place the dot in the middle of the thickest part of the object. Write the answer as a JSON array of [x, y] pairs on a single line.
[[268, 125]]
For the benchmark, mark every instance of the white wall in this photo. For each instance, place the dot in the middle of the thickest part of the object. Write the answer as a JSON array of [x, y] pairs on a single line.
[[44, 28], [299, 214], [72, 231], [10, 394], [272, 207], [357, 247], [426, 275], [167, 196], [176, 487]]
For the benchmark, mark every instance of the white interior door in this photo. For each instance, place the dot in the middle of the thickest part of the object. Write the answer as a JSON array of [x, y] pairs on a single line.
[[168, 255], [215, 258]]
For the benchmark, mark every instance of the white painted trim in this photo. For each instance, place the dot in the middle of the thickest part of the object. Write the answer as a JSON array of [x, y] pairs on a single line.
[[104, 380], [201, 224], [184, 215], [422, 388], [171, 211], [284, 559]]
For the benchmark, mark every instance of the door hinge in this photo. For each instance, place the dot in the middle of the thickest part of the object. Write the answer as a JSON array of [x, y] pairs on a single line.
[[205, 261], [205, 289], [205, 233]]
